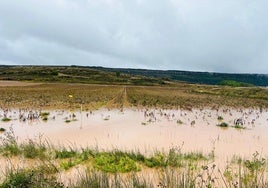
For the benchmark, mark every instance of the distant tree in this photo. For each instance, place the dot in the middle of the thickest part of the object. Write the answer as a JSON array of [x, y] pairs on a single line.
[[117, 74]]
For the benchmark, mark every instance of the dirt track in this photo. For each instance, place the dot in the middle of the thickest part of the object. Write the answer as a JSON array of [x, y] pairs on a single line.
[[4, 83]]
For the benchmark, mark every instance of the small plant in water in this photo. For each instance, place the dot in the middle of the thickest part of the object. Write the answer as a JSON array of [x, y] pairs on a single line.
[[220, 118], [67, 121], [179, 122], [6, 119], [223, 124], [44, 114], [239, 127]]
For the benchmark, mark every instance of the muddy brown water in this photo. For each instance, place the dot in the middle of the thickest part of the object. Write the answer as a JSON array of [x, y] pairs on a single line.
[[138, 129]]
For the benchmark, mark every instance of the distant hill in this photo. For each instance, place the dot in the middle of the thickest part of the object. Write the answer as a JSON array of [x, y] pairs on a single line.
[[75, 74], [197, 77], [124, 76]]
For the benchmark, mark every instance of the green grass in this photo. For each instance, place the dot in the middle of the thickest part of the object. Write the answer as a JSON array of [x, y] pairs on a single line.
[[64, 153], [23, 178], [111, 162], [124, 168], [117, 168], [179, 122], [68, 164], [239, 127], [220, 118], [223, 125], [234, 83], [44, 114], [6, 119]]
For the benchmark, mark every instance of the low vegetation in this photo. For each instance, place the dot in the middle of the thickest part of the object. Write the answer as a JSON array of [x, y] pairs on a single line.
[[74, 74], [239, 127], [6, 119], [117, 89], [117, 168], [223, 124], [220, 118], [234, 83]]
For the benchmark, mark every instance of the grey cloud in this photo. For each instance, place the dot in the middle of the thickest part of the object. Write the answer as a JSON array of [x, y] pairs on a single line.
[[207, 35]]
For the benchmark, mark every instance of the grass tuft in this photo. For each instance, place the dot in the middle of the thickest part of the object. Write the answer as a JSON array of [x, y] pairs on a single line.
[[6, 119], [223, 124]]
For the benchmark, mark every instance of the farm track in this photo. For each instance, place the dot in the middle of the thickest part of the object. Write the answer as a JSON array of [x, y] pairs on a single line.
[[120, 100], [93, 96]]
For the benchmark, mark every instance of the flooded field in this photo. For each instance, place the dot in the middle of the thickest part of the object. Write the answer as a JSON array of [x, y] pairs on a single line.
[[148, 130]]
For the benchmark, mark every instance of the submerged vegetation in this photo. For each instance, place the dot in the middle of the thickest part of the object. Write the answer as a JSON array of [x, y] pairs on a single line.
[[223, 124], [117, 168], [5, 119]]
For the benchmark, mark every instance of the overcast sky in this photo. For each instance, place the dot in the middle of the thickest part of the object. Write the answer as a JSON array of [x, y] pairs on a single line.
[[199, 35]]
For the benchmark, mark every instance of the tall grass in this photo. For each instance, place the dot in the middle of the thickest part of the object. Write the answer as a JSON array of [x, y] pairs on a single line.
[[123, 168]]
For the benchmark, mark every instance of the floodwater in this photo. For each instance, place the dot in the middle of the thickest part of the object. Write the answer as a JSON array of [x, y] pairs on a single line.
[[148, 130]]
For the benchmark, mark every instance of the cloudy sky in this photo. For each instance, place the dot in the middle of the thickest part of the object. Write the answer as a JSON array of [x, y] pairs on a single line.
[[199, 35]]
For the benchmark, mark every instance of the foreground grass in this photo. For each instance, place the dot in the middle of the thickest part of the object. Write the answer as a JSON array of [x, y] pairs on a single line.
[[117, 168]]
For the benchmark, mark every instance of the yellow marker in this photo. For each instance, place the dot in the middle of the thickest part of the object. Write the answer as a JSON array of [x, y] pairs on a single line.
[[70, 96]]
